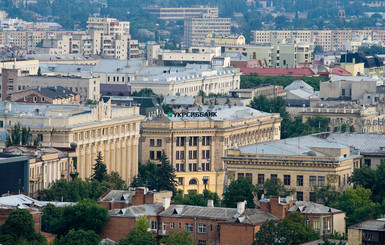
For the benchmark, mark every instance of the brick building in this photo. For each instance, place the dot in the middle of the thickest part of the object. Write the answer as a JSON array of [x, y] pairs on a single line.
[[47, 95], [207, 225]]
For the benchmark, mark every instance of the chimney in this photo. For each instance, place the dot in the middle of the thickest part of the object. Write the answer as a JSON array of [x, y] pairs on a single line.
[[241, 207], [210, 203], [166, 202]]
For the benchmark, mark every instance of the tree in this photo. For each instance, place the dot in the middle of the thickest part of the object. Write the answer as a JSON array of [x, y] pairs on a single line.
[[192, 198], [275, 187], [357, 205], [166, 173], [14, 138], [139, 235], [19, 229], [318, 49], [327, 194], [86, 215], [178, 238], [79, 237], [238, 191], [144, 92], [25, 132], [100, 169], [271, 233]]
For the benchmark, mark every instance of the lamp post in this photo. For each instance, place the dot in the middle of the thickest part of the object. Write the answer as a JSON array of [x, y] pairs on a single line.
[[205, 179]]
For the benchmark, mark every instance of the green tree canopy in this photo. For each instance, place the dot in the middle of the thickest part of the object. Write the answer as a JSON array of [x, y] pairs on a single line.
[[193, 198], [144, 92], [275, 187], [327, 194], [19, 229], [238, 191], [139, 235], [100, 169], [79, 237], [178, 238]]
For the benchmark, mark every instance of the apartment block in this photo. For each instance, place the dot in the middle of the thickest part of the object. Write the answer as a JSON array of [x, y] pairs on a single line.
[[197, 29], [180, 13], [301, 163], [330, 40], [113, 131], [195, 142]]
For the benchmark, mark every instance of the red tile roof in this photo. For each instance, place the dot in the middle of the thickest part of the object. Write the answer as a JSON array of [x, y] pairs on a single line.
[[340, 71], [294, 72]]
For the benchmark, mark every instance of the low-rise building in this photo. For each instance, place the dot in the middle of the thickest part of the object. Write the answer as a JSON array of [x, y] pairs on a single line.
[[354, 62], [26, 67], [48, 95], [192, 55], [300, 162], [218, 40], [195, 139], [367, 232]]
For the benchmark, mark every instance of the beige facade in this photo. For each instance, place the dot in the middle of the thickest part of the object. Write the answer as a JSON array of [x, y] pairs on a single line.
[[301, 163], [195, 145], [197, 55], [26, 67], [330, 40], [226, 40], [113, 131], [173, 14]]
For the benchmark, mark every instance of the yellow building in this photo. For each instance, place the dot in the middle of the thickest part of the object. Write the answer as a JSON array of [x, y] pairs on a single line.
[[114, 131], [195, 140], [301, 163], [212, 39]]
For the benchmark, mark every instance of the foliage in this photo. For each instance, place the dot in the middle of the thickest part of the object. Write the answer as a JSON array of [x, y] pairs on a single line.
[[275, 187], [238, 191], [87, 215], [178, 238], [100, 169], [328, 194], [19, 229], [192, 198], [167, 109], [144, 92], [357, 205], [156, 177], [335, 235], [372, 49], [77, 189], [318, 49], [90, 102], [139, 234], [18, 135], [79, 237], [291, 230]]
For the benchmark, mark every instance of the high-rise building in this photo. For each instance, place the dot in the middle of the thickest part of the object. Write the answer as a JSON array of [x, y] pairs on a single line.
[[180, 13]]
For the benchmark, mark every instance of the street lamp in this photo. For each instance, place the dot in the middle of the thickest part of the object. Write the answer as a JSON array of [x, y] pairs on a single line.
[[205, 179]]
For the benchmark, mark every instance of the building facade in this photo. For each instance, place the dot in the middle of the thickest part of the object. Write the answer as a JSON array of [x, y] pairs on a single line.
[[113, 131], [301, 163], [180, 13], [49, 95], [194, 145]]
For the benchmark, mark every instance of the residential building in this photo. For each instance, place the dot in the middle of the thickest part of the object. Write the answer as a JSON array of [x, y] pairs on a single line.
[[323, 219], [118, 199], [301, 163], [26, 67], [12, 81], [195, 139], [351, 116], [372, 64], [329, 40], [181, 13], [367, 232], [188, 80], [113, 131], [207, 225], [197, 28], [216, 40], [49, 95], [46, 165], [348, 87], [241, 61], [14, 176], [370, 146]]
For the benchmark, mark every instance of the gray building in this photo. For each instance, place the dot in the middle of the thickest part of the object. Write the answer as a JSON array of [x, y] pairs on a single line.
[[14, 176]]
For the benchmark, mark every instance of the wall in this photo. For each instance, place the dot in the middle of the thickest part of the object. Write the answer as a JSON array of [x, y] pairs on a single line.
[[354, 237], [240, 234]]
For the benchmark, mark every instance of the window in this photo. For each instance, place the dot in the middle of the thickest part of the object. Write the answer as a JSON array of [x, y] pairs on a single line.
[[192, 154], [261, 178], [299, 196], [249, 176], [241, 175], [10, 80], [192, 182], [1, 124], [180, 141], [180, 226], [202, 228], [34, 99], [188, 227], [180, 180], [158, 142], [317, 223], [25, 98], [313, 180], [154, 225], [273, 176], [152, 155], [286, 179], [179, 155], [158, 155], [202, 242], [193, 141], [208, 166], [182, 167], [172, 225], [42, 99], [205, 154], [177, 167], [367, 162], [10, 87], [327, 224], [152, 142], [206, 140], [321, 180], [312, 196], [299, 180]]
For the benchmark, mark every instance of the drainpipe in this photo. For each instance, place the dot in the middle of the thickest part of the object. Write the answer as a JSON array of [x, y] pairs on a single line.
[[195, 227]]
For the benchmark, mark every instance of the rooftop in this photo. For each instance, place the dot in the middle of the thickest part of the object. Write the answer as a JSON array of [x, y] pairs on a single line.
[[306, 207], [365, 143], [23, 202], [375, 225], [295, 72], [138, 210], [179, 100], [300, 84]]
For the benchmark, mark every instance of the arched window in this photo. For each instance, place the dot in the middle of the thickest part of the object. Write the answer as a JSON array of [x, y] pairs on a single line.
[[192, 182]]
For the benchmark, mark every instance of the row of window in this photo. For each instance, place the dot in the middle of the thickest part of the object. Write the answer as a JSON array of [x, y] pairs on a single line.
[[192, 167], [189, 227], [287, 179], [158, 142], [193, 140]]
